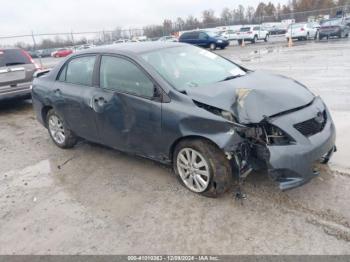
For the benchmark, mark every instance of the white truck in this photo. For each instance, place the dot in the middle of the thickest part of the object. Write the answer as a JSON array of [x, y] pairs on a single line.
[[252, 34]]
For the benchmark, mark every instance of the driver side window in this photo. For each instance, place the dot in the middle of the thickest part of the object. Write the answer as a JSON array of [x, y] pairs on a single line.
[[121, 75]]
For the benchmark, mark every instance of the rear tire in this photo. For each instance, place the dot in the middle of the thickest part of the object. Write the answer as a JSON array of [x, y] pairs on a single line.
[[266, 38], [210, 158], [59, 133], [254, 39]]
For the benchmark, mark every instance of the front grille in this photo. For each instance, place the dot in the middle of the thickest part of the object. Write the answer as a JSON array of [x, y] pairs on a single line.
[[312, 126]]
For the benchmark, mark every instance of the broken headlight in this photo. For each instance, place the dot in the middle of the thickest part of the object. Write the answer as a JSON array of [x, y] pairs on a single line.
[[227, 115], [268, 134], [217, 111]]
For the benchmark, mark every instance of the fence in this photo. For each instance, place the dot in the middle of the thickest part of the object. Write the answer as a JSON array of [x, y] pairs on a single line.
[[53, 40]]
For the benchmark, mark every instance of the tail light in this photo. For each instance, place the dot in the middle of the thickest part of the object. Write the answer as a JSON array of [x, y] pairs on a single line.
[[31, 59], [302, 29]]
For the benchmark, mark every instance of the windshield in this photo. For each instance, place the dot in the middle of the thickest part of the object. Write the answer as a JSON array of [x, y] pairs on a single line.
[[213, 34], [296, 26], [189, 66], [332, 22]]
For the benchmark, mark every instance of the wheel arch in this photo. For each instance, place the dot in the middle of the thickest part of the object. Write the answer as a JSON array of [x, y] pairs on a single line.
[[189, 137], [44, 112]]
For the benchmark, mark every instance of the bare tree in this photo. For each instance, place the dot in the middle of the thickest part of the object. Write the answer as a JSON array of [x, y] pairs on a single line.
[[208, 17]]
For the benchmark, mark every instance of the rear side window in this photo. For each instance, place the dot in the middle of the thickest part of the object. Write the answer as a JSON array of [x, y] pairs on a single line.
[[124, 76], [78, 71], [257, 28], [190, 35], [10, 57], [185, 36]]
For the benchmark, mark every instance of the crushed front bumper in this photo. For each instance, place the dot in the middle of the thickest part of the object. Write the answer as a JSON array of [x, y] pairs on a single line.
[[292, 165]]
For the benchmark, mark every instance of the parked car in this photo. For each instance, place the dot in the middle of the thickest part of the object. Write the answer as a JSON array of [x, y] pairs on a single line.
[[178, 104], [46, 52], [252, 34], [229, 34], [302, 31], [34, 53], [120, 41], [334, 27], [83, 47], [169, 38], [277, 30], [62, 52], [204, 39], [16, 73], [347, 21]]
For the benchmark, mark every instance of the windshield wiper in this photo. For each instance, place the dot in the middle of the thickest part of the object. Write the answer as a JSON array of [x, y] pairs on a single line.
[[230, 78]]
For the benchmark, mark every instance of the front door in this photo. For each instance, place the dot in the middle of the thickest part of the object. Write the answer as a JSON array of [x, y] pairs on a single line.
[[127, 115]]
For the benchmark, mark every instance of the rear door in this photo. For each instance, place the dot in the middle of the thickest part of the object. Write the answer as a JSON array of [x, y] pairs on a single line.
[[257, 31], [16, 67], [73, 93], [311, 30], [193, 38]]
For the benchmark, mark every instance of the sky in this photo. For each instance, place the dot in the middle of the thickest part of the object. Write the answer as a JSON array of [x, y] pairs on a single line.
[[19, 17]]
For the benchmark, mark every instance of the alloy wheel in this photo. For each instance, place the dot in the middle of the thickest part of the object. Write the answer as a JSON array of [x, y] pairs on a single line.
[[193, 169], [56, 129]]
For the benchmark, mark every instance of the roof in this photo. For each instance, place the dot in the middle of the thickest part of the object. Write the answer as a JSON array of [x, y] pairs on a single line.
[[135, 47]]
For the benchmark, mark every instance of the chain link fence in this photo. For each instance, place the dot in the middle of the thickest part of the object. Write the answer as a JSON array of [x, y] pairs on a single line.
[[35, 41]]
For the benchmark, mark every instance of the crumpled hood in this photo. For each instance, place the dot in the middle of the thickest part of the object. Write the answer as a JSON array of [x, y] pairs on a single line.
[[253, 96]]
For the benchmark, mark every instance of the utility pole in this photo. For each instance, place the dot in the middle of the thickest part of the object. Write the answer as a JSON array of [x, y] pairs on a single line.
[[34, 43], [34, 46], [71, 33]]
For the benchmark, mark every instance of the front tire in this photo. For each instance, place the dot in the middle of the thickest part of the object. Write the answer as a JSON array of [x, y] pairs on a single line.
[[266, 38], [212, 46], [202, 167], [59, 133], [255, 39], [316, 36]]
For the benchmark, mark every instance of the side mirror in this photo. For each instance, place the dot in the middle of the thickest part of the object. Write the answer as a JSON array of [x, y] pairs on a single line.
[[159, 95], [156, 93]]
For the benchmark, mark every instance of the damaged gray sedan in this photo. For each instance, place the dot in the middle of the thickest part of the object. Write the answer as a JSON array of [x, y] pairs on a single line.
[[212, 119]]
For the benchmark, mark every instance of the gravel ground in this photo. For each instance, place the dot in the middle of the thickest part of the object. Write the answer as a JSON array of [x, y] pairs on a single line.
[[94, 200]]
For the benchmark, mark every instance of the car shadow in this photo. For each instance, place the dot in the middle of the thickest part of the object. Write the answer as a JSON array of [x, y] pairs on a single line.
[[15, 106]]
